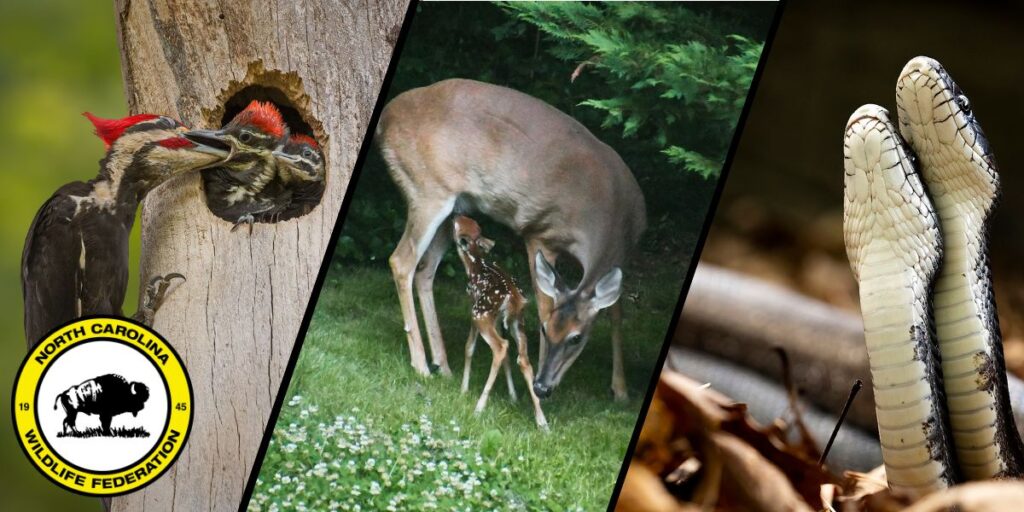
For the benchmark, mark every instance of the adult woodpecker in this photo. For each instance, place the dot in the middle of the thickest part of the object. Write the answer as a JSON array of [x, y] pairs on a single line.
[[75, 261], [297, 186], [233, 188]]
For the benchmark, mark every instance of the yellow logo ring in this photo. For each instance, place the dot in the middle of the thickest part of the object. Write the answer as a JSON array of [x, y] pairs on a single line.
[[75, 477]]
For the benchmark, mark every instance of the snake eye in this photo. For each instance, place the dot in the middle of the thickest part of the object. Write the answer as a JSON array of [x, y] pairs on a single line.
[[964, 103]]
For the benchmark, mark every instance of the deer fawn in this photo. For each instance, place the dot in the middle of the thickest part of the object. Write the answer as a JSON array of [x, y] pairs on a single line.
[[496, 297], [527, 165]]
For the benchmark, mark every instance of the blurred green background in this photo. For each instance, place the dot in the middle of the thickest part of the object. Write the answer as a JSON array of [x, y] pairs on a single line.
[[58, 58]]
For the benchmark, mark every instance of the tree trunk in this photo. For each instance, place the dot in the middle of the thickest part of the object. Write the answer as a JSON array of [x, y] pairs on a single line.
[[235, 320]]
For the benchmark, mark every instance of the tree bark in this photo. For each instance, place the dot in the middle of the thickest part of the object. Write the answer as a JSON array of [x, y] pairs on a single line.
[[235, 320]]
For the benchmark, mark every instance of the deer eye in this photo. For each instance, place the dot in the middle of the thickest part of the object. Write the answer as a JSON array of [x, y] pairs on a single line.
[[575, 339], [245, 137]]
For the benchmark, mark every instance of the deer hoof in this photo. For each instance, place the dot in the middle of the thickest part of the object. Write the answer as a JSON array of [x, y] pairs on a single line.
[[620, 395]]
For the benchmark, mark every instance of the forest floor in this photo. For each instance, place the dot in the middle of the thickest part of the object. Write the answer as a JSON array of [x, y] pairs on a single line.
[[361, 430]]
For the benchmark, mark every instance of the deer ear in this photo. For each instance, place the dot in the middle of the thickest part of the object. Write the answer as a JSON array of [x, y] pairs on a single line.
[[547, 278], [486, 244], [607, 290]]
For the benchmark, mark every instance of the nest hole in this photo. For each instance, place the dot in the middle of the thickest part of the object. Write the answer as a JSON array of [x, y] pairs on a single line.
[[241, 99], [228, 192]]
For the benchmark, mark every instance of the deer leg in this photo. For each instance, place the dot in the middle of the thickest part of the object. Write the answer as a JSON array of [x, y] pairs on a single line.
[[422, 222], [499, 347], [470, 348], [544, 303], [618, 376], [523, 358], [425, 273], [508, 379]]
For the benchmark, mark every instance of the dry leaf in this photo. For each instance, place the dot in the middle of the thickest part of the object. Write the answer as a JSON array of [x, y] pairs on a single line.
[[643, 491], [752, 481]]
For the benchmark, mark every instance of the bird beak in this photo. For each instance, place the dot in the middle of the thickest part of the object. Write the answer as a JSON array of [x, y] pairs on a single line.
[[286, 157], [210, 141]]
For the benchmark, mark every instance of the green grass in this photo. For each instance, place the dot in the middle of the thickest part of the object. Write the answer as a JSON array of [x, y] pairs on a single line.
[[354, 398], [114, 432]]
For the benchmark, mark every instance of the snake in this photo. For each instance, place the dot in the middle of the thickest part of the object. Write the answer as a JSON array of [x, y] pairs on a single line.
[[730, 331], [918, 196]]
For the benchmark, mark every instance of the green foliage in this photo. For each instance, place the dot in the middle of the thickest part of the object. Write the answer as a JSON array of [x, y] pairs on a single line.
[[661, 67]]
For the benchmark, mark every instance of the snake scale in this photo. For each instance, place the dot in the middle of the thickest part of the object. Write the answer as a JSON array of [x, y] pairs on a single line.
[[918, 197]]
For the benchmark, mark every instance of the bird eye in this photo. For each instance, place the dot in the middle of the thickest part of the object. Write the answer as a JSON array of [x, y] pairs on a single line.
[[307, 153], [964, 103], [245, 137]]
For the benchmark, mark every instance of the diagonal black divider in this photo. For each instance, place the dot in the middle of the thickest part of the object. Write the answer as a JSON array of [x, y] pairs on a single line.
[[314, 296], [719, 187]]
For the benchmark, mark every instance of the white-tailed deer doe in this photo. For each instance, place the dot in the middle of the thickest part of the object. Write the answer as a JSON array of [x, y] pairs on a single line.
[[465, 146], [496, 297]]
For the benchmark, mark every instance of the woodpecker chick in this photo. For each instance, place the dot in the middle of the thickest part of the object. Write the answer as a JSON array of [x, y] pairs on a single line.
[[297, 187], [251, 136], [75, 260]]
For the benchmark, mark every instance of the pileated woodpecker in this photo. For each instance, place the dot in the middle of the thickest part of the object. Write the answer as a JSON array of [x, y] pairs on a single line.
[[297, 186], [75, 260], [233, 188], [301, 166]]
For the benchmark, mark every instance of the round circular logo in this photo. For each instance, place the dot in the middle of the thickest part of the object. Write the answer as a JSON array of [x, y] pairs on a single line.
[[102, 406]]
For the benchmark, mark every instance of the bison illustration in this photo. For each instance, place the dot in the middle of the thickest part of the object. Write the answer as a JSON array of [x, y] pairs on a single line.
[[106, 396]]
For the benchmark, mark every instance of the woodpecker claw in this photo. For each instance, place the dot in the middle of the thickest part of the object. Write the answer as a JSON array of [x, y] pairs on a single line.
[[244, 219], [156, 291]]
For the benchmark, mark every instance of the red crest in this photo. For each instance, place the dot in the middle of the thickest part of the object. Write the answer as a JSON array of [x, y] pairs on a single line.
[[304, 139], [110, 130], [264, 116]]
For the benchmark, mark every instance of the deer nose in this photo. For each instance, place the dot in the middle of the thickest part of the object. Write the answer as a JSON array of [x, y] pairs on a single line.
[[541, 390]]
